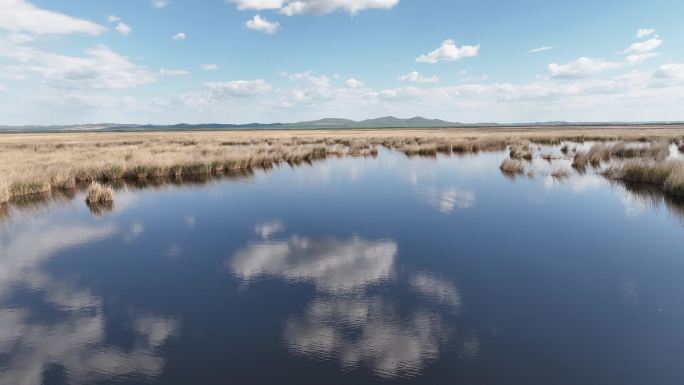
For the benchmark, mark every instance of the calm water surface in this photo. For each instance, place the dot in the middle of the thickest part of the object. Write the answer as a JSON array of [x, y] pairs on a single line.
[[349, 271]]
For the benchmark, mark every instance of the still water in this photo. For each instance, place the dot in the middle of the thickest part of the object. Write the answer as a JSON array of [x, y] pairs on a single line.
[[349, 271]]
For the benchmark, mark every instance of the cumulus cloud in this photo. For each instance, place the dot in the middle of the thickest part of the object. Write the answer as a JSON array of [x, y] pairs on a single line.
[[317, 81], [317, 7], [179, 36], [209, 67], [416, 77], [581, 68], [123, 28], [22, 16], [113, 18], [353, 83], [100, 68], [541, 49], [644, 47], [239, 88], [643, 32], [670, 71], [449, 52], [262, 24]]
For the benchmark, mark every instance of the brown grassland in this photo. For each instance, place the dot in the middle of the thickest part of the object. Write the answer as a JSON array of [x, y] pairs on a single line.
[[40, 163]]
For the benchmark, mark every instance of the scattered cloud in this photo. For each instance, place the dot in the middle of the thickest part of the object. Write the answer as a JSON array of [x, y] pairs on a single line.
[[670, 71], [172, 73], [318, 81], [541, 49], [261, 24], [179, 36], [416, 77], [123, 28], [643, 32], [644, 47], [239, 88], [22, 16], [353, 83], [209, 67], [160, 3], [316, 7], [449, 52], [100, 68], [581, 68], [113, 18]]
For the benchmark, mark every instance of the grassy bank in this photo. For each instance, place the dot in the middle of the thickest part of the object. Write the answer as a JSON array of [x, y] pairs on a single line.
[[42, 163], [668, 175]]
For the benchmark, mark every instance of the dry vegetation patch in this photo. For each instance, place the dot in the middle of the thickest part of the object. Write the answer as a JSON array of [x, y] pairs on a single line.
[[45, 163]]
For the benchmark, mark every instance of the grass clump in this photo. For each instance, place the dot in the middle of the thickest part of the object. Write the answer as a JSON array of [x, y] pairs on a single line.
[[669, 176], [521, 152], [511, 166], [98, 193], [560, 173]]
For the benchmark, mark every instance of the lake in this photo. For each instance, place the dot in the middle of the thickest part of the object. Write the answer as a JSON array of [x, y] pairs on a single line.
[[350, 271]]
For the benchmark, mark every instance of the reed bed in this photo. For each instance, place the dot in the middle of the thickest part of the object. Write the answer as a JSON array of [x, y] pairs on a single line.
[[521, 151], [97, 193], [668, 175], [47, 163], [512, 167], [603, 152]]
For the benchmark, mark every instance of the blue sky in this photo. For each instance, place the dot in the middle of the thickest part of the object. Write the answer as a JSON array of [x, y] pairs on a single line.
[[237, 61]]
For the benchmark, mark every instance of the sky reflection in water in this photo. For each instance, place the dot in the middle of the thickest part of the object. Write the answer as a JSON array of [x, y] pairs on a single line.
[[350, 271]]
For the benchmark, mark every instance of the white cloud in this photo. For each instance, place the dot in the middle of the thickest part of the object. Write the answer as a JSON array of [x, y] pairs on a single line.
[[239, 88], [100, 68], [261, 24], [581, 68], [416, 77], [123, 28], [113, 18], [353, 83], [160, 3], [541, 49], [449, 52], [670, 71], [22, 16], [317, 7], [209, 67], [643, 47], [643, 32], [320, 7], [179, 36], [172, 73], [317, 81], [638, 58], [258, 4]]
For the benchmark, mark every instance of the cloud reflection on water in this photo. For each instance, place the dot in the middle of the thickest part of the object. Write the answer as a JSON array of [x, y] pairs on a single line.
[[349, 320], [76, 341]]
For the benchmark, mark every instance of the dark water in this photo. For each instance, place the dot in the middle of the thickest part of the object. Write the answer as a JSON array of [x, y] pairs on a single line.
[[350, 271]]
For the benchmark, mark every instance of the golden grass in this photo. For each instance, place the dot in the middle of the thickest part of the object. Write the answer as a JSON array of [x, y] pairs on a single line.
[[602, 152], [45, 163], [511, 166], [98, 193], [668, 175], [521, 151], [560, 173]]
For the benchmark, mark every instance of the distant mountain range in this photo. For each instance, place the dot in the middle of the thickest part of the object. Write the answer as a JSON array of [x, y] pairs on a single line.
[[327, 123]]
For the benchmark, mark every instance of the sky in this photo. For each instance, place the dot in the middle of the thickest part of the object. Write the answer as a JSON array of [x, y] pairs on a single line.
[[243, 61]]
